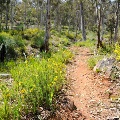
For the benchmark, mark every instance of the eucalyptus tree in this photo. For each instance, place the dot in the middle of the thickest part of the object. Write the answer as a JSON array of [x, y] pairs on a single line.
[[7, 2], [47, 26], [12, 12], [99, 19], [117, 19], [82, 20]]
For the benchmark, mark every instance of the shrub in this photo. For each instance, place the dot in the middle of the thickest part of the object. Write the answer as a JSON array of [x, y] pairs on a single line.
[[13, 32], [117, 51], [29, 33], [38, 39], [106, 50], [35, 84], [87, 43], [7, 39], [93, 61], [70, 35], [14, 44]]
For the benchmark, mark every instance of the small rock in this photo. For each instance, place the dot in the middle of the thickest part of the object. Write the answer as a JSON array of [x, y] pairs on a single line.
[[75, 115]]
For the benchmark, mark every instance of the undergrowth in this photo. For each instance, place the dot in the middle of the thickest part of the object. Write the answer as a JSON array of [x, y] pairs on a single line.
[[87, 43], [117, 51], [92, 61], [35, 84]]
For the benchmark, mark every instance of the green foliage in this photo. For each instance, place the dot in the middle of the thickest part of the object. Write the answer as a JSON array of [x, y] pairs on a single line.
[[14, 44], [59, 42], [14, 32], [30, 33], [55, 33], [70, 35], [87, 43], [106, 49], [29, 91], [38, 39], [93, 61], [111, 25], [117, 51], [7, 39], [19, 41], [35, 36]]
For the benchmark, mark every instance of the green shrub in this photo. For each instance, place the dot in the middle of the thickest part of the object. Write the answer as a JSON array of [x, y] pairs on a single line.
[[35, 84], [93, 61], [117, 51], [14, 44], [87, 43], [13, 32], [7, 39], [29, 33], [106, 50], [70, 35], [38, 40]]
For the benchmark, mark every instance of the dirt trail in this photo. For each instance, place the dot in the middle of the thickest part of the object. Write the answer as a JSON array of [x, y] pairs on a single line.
[[87, 90]]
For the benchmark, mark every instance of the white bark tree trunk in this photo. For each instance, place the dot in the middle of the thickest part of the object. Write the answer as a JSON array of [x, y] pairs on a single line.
[[82, 21], [117, 20]]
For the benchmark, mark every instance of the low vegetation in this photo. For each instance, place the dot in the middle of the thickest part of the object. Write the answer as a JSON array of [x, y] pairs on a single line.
[[30, 91], [117, 51]]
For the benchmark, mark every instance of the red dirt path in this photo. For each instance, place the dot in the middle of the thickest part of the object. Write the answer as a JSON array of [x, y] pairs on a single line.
[[87, 90]]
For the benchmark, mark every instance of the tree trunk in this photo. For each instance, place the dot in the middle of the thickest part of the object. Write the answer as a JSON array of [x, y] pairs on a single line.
[[76, 29], [7, 12], [41, 15], [25, 15], [12, 14], [82, 21], [57, 17], [1, 21], [117, 21], [37, 11], [99, 42], [47, 27]]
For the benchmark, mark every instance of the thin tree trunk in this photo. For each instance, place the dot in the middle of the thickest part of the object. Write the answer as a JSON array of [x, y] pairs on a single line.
[[41, 15], [12, 14], [76, 24], [117, 21], [99, 42], [102, 30], [6, 18], [37, 11], [82, 21], [47, 27], [1, 21], [25, 15]]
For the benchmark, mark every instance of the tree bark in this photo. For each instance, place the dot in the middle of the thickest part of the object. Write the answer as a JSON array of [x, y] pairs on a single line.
[[1, 21], [25, 14], [12, 14], [117, 21], [41, 15], [98, 11], [7, 12], [37, 11], [47, 27], [82, 21]]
